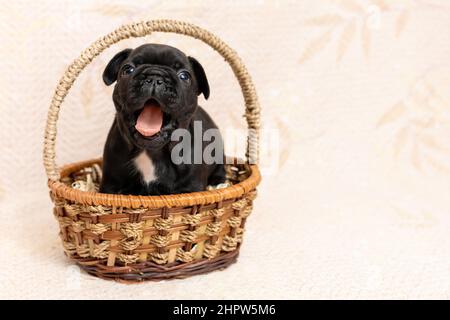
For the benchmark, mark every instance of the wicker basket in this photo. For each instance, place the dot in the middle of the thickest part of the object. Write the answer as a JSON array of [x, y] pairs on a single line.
[[135, 238]]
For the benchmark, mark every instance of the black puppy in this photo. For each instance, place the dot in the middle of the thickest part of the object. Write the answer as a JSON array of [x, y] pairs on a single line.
[[156, 92]]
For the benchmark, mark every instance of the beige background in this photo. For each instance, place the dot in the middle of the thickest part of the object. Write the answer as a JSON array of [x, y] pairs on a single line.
[[355, 198]]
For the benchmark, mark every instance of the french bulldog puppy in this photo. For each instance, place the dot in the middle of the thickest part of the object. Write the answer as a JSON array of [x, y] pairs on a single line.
[[156, 92]]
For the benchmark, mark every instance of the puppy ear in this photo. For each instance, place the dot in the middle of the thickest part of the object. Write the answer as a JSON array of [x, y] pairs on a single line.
[[202, 82], [112, 69]]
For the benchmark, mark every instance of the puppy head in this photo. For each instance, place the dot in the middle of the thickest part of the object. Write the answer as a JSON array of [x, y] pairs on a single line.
[[156, 92]]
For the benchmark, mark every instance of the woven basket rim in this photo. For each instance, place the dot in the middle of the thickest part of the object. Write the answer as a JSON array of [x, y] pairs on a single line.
[[62, 190]]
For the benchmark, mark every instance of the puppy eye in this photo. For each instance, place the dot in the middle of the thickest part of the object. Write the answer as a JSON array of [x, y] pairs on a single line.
[[184, 75], [127, 69]]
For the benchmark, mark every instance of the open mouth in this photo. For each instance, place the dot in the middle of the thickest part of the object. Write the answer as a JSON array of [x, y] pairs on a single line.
[[150, 120]]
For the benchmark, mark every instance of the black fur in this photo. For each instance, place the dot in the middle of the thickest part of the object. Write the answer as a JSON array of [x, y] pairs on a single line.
[[178, 101]]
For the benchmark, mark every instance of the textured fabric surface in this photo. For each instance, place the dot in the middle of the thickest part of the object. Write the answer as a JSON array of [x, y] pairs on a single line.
[[356, 161]]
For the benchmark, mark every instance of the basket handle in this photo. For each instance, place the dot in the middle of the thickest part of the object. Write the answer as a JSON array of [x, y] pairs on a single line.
[[252, 109]]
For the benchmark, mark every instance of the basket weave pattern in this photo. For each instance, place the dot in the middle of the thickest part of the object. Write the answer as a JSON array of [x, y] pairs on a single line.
[[135, 238], [110, 240]]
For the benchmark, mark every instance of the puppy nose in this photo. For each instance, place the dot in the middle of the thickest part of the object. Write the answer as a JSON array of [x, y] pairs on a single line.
[[156, 80]]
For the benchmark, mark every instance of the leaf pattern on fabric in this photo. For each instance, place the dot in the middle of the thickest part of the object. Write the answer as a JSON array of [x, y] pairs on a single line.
[[346, 38], [401, 22], [420, 118], [354, 17], [315, 46]]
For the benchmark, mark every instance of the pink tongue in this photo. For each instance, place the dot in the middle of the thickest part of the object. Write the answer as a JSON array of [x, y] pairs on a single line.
[[150, 120]]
